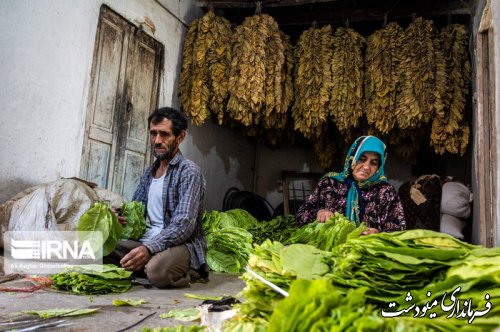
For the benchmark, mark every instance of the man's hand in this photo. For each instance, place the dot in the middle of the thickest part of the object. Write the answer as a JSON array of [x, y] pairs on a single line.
[[369, 231], [135, 259], [117, 211], [324, 215]]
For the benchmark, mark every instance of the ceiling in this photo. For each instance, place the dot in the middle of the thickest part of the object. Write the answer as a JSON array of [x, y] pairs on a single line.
[[364, 16]]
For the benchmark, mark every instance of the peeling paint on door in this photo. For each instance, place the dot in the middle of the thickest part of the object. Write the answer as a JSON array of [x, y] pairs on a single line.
[[124, 91]]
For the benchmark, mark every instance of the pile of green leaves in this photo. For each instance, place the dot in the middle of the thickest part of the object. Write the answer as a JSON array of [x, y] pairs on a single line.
[[100, 226], [93, 279], [230, 235], [239, 218], [261, 299], [278, 229], [229, 244], [280, 265], [328, 235], [381, 269], [136, 223], [317, 306], [390, 264], [477, 275], [228, 249]]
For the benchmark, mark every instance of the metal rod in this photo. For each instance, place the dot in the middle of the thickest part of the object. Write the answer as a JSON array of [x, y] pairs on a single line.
[[270, 284], [137, 323]]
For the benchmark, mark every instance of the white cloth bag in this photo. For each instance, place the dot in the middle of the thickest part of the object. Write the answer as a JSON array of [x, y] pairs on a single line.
[[456, 199]]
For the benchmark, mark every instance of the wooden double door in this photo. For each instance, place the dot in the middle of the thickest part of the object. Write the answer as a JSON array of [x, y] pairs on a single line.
[[124, 91]]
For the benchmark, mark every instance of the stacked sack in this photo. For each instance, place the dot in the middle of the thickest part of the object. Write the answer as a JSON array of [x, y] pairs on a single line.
[[421, 199], [455, 208]]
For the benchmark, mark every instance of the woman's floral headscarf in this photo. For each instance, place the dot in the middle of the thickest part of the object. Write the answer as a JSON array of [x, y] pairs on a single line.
[[355, 204]]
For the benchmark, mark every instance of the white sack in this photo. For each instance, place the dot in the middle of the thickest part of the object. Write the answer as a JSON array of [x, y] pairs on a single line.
[[55, 206], [452, 226], [456, 199], [110, 198]]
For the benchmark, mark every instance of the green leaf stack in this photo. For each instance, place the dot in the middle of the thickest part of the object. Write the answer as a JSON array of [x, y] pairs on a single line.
[[134, 213], [229, 243], [410, 274], [101, 228], [279, 229], [93, 279], [328, 235], [317, 306]]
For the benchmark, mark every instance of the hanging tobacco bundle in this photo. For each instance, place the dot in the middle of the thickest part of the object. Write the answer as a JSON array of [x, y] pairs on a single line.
[[346, 101], [423, 79], [279, 85], [331, 147], [313, 81], [406, 143], [256, 80], [275, 62], [186, 74], [324, 151], [403, 143], [382, 76], [204, 74], [450, 132]]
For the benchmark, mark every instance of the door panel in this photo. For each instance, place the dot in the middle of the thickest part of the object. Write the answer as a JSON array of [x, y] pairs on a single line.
[[132, 173], [107, 79], [124, 91], [111, 46], [141, 94], [143, 87], [98, 169]]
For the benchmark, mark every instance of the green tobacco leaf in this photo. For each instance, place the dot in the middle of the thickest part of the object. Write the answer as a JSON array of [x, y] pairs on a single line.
[[186, 315], [128, 302], [223, 262], [255, 325], [203, 297], [115, 232], [241, 218], [100, 227], [136, 223], [92, 229], [228, 249], [326, 236], [304, 261], [317, 306], [105, 271], [56, 312], [93, 279]]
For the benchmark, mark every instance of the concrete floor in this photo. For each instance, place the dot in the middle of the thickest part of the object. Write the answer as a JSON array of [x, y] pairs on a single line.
[[113, 318]]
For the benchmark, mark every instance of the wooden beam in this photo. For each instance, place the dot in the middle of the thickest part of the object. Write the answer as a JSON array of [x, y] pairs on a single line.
[[358, 15], [264, 3], [304, 12]]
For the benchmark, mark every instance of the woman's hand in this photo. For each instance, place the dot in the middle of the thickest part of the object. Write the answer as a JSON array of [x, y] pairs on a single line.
[[324, 215], [369, 231]]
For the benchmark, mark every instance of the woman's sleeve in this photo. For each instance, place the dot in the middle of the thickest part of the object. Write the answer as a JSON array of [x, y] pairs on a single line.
[[308, 211], [392, 214]]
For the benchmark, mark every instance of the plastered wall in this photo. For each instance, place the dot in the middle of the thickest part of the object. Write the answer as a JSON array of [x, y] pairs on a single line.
[[46, 50]]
